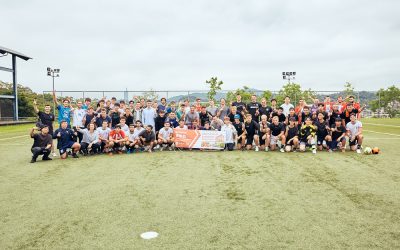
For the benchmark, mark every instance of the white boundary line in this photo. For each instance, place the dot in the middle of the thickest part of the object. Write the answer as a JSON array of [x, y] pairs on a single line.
[[9, 138], [380, 133], [377, 124]]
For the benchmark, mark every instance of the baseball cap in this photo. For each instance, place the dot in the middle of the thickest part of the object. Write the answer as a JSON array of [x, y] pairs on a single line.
[[236, 116]]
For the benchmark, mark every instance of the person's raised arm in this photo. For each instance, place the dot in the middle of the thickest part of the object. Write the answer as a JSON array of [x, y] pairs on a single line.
[[35, 107], [55, 98]]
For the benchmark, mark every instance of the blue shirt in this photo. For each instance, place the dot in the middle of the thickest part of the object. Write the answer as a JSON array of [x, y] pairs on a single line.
[[64, 113], [67, 136]]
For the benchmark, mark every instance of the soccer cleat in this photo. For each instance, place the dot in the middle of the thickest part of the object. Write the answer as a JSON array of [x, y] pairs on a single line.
[[282, 150], [33, 160], [256, 149], [358, 151]]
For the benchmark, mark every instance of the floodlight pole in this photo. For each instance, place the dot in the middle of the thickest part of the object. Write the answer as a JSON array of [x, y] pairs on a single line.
[[52, 72]]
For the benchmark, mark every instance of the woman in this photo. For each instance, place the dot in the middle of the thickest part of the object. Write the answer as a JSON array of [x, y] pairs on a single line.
[[90, 141]]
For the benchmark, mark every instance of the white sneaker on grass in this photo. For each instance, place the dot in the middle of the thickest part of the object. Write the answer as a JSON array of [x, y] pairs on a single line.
[[282, 150], [256, 149], [314, 151], [358, 151]]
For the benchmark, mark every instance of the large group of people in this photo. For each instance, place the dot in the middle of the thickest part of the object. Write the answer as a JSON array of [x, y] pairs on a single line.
[[116, 127]]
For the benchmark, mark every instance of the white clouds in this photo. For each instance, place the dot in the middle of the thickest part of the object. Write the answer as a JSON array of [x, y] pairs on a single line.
[[180, 44]]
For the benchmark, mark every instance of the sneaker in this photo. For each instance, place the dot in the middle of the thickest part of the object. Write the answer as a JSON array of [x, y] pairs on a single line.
[[54, 154], [75, 156], [282, 150], [266, 149], [157, 147], [330, 151], [256, 149], [46, 159], [358, 151], [33, 160], [314, 151], [146, 148]]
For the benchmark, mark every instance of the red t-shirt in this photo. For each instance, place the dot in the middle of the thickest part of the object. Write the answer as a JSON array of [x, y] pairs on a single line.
[[117, 136]]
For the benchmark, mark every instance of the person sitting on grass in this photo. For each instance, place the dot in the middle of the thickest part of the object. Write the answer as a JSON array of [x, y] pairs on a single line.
[[307, 134], [90, 139], [338, 134], [66, 140], [166, 136], [116, 140], [354, 132], [148, 138], [132, 142], [41, 143]]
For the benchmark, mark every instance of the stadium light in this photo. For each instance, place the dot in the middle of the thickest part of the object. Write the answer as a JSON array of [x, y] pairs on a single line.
[[53, 73], [288, 76]]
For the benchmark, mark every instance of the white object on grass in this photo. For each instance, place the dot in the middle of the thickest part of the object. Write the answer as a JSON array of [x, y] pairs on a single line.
[[149, 235]]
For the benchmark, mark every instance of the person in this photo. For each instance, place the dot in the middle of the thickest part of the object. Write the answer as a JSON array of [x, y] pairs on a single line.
[[328, 104], [323, 137], [191, 115], [64, 111], [354, 132], [241, 106], [172, 120], [251, 128], [306, 114], [137, 112], [112, 103], [212, 109], [206, 126], [276, 132], [101, 117], [338, 134], [274, 107], [262, 132], [66, 140], [223, 110], [148, 115], [314, 106], [87, 103], [291, 134], [286, 106], [132, 141], [171, 108], [78, 115], [321, 109], [334, 114], [233, 112], [204, 116], [182, 125], [299, 108], [279, 113], [166, 137], [147, 138], [307, 134], [115, 115], [340, 104], [128, 116], [159, 121], [116, 140], [90, 140], [45, 118], [138, 128], [89, 117], [104, 133], [180, 114], [241, 135], [264, 109], [292, 114], [216, 123], [254, 108], [345, 115], [42, 143], [163, 105], [195, 125], [230, 132], [198, 105], [124, 127]]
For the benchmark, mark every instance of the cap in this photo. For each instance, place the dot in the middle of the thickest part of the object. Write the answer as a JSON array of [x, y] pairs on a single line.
[[236, 116]]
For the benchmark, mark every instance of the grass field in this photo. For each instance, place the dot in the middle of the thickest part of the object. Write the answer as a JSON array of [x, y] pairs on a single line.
[[203, 200]]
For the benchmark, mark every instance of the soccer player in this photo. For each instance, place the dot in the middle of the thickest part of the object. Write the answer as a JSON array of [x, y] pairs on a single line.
[[216, 123], [241, 106], [191, 116], [166, 137], [345, 115], [159, 122], [116, 139], [204, 116], [103, 117], [64, 111], [354, 132], [292, 114], [212, 109], [306, 114], [262, 132], [182, 125], [104, 133], [291, 134], [281, 116], [230, 132], [299, 108], [264, 109], [172, 120], [45, 118], [321, 109], [241, 135], [128, 116], [328, 104], [251, 128], [274, 107], [90, 141], [198, 105], [180, 114], [254, 108], [307, 134], [124, 127], [132, 141], [171, 108], [89, 117], [323, 137], [338, 134], [148, 138], [286, 106], [334, 114], [162, 105], [77, 122], [42, 143], [233, 112], [148, 115], [276, 133], [223, 109], [66, 140], [115, 115]]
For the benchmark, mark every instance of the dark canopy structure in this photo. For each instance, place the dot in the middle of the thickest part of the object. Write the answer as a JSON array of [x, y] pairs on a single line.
[[14, 54]]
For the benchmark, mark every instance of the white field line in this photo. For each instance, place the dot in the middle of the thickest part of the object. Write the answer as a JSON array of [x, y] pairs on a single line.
[[380, 138], [14, 137], [380, 133], [385, 125]]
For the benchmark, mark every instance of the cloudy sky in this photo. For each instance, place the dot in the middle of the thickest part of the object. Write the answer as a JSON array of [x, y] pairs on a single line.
[[177, 45]]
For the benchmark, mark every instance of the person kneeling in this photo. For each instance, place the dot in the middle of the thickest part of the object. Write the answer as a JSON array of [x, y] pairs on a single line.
[[148, 138], [307, 134], [166, 136], [66, 140], [90, 140], [41, 143]]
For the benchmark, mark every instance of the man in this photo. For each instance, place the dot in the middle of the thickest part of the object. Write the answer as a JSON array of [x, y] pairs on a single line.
[[87, 103], [233, 112], [338, 134], [132, 141], [346, 114], [314, 106], [180, 114], [128, 116], [291, 115], [104, 133], [253, 108], [162, 106], [159, 121], [147, 138], [306, 114], [198, 105], [66, 140], [138, 128], [166, 137], [274, 107], [137, 112], [223, 109], [171, 108], [251, 128], [182, 125], [299, 108], [307, 134], [276, 132], [264, 109], [124, 127], [286, 106], [216, 123], [354, 132], [42, 143], [64, 111], [172, 120], [149, 114], [195, 125], [191, 115], [45, 118], [321, 109], [77, 122], [212, 109], [340, 104], [328, 104], [323, 137], [281, 116], [262, 132], [204, 116], [112, 103], [89, 117], [103, 117], [116, 140], [241, 134], [241, 106], [115, 115], [334, 114], [230, 132], [291, 134]]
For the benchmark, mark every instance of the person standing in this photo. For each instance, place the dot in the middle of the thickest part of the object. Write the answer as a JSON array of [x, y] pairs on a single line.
[[45, 118], [148, 115], [286, 106], [64, 111]]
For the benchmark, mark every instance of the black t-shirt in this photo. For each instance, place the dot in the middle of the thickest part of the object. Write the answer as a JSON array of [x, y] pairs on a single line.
[[47, 119], [40, 140], [99, 120], [282, 117], [88, 119], [159, 122], [292, 132], [252, 107], [148, 137], [240, 106], [129, 119], [238, 127], [204, 117], [338, 133], [115, 118], [296, 117], [276, 129], [346, 115], [265, 111], [232, 117], [304, 117], [333, 117], [321, 127], [251, 128], [326, 116]]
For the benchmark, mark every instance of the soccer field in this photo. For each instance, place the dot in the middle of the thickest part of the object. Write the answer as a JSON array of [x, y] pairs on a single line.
[[202, 200]]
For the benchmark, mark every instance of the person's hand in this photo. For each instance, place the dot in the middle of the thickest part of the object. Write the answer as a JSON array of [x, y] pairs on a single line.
[[338, 140]]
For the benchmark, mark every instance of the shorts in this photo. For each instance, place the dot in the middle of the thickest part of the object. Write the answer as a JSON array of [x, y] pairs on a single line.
[[249, 140], [262, 141], [353, 143], [334, 143], [64, 148], [321, 138], [274, 139]]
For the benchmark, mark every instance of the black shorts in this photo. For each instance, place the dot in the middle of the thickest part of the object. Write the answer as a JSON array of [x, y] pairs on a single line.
[[249, 139], [64, 148], [262, 141], [353, 143], [321, 138]]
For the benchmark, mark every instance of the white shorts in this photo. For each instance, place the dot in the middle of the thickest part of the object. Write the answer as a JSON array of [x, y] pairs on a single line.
[[274, 139]]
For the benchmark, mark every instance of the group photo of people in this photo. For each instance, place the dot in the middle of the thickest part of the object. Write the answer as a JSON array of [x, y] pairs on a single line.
[[109, 126]]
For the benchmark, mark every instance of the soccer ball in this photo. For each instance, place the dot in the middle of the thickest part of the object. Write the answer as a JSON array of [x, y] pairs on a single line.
[[375, 150], [368, 151]]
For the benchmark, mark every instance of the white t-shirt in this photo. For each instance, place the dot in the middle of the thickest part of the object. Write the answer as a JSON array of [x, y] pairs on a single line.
[[286, 108], [78, 117], [132, 136], [138, 131], [229, 131], [103, 133], [353, 128], [166, 132], [125, 128]]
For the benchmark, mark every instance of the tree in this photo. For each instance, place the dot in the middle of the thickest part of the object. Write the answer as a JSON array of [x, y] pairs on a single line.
[[267, 94], [293, 90], [150, 95], [214, 86], [388, 99], [245, 92], [348, 89]]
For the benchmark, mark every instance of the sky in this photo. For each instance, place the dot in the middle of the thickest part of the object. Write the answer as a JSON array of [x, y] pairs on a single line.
[[178, 45]]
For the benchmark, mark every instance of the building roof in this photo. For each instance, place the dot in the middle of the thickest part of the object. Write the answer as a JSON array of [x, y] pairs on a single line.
[[4, 50]]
